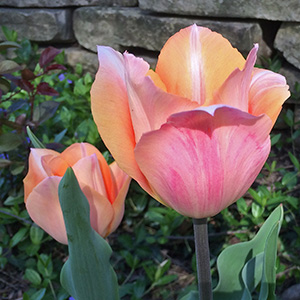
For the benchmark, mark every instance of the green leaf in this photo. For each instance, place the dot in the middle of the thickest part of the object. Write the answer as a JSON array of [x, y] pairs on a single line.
[[34, 140], [44, 111], [9, 141], [38, 295], [33, 276], [87, 274], [4, 162], [192, 295], [36, 234], [295, 161], [236, 259], [4, 85], [18, 236]]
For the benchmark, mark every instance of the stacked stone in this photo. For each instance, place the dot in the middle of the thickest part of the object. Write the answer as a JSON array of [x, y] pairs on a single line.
[[143, 26]]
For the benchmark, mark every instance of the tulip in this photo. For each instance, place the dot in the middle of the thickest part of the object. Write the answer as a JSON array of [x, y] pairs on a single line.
[[104, 186], [196, 132]]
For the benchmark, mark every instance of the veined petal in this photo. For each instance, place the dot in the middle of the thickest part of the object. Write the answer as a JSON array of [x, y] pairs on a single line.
[[268, 91], [195, 62], [44, 208], [36, 172], [149, 105], [110, 109], [235, 90], [191, 161]]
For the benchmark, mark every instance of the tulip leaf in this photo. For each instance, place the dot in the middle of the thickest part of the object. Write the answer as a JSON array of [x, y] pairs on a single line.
[[34, 140], [87, 274], [243, 266], [192, 295]]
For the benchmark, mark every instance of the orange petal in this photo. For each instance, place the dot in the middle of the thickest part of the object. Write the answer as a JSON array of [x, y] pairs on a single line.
[[111, 113], [268, 91], [78, 151], [195, 62], [235, 90], [156, 79], [123, 181], [36, 172], [44, 208]]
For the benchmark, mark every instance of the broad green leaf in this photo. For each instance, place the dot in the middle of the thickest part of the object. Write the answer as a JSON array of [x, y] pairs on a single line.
[[34, 140], [233, 259], [87, 274], [4, 162], [4, 85], [36, 234], [251, 275], [8, 44], [268, 283], [33, 276], [45, 111]]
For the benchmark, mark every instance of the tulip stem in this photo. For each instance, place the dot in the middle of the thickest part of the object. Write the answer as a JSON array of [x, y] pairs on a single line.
[[202, 259]]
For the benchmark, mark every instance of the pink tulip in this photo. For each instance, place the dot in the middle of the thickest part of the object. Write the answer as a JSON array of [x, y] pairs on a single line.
[[194, 133], [104, 186]]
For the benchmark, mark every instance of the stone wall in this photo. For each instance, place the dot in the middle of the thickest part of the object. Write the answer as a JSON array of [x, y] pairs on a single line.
[[142, 26]]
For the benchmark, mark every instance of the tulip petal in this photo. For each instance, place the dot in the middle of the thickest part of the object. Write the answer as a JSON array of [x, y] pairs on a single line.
[[149, 105], [123, 181], [110, 109], [36, 172], [192, 161], [235, 90], [77, 151], [88, 172], [195, 62], [267, 93], [44, 208]]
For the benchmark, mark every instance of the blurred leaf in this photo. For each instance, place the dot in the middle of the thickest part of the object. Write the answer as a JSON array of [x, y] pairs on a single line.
[[27, 74], [295, 161], [8, 44], [24, 52], [47, 56], [16, 239], [8, 66], [33, 276], [44, 88], [10, 35], [233, 259], [289, 179], [36, 234], [14, 200], [45, 265], [38, 295], [257, 210], [87, 274], [16, 104], [34, 140], [4, 162], [9, 141], [17, 168], [4, 85], [192, 295], [44, 111], [55, 67], [25, 85]]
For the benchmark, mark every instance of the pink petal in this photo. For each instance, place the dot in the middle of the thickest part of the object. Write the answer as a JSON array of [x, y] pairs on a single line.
[[203, 160]]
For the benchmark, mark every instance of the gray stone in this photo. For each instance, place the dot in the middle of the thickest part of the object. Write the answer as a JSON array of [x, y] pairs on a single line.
[[122, 28], [288, 42], [39, 25], [288, 10], [292, 293], [77, 55], [62, 3], [292, 76]]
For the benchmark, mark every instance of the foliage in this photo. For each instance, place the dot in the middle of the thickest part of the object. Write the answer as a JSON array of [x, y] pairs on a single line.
[[153, 248]]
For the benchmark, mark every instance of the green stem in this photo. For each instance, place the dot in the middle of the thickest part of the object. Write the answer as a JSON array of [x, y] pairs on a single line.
[[202, 259]]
